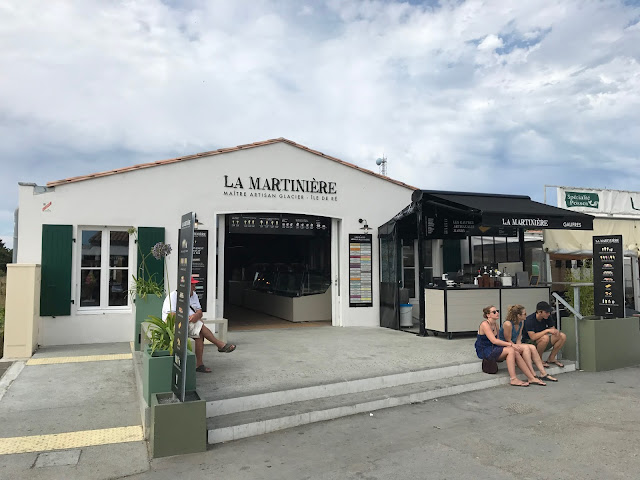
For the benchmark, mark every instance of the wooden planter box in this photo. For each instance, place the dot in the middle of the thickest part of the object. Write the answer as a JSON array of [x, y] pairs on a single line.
[[149, 305], [177, 428], [156, 373], [604, 344]]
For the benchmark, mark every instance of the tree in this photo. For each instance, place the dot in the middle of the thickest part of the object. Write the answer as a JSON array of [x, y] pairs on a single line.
[[6, 256]]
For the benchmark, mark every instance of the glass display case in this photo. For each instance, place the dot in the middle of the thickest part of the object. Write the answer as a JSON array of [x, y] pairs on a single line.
[[289, 280]]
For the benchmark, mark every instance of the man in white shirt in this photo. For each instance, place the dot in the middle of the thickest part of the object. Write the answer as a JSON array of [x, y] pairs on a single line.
[[197, 330]]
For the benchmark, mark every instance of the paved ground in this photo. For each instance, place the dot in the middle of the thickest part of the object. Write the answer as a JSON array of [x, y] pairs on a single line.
[[77, 419], [275, 360], [586, 426], [73, 413], [3, 367]]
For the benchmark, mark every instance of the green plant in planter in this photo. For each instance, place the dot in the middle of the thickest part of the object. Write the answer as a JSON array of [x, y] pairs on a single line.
[[144, 283], [161, 333]]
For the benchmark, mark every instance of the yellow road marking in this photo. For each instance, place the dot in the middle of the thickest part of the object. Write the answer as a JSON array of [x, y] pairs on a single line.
[[63, 441], [88, 358]]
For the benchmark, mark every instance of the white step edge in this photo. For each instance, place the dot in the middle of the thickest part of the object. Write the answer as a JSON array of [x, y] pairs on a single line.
[[272, 399], [237, 432]]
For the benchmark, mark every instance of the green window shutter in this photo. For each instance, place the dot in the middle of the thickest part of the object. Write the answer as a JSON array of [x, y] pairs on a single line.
[[147, 238], [55, 282]]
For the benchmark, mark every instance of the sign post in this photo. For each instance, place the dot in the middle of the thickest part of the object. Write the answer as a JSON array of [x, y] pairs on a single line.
[[181, 337], [608, 276]]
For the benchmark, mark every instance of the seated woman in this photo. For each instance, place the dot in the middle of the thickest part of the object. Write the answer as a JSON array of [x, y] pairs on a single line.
[[488, 345], [512, 329]]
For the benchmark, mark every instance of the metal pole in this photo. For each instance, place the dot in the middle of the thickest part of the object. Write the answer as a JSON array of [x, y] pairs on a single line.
[[576, 307]]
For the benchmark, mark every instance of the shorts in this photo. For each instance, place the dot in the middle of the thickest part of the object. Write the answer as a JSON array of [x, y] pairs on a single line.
[[533, 342], [194, 329]]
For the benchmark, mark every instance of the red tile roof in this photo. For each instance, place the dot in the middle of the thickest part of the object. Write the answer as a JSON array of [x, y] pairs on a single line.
[[218, 152]]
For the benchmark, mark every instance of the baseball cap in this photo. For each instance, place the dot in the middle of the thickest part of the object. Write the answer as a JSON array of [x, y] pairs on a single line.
[[543, 306], [194, 281]]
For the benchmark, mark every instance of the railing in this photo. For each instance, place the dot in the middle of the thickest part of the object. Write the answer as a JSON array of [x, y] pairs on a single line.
[[576, 314]]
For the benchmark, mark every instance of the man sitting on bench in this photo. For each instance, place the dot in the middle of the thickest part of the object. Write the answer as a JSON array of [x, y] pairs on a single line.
[[539, 329], [197, 330]]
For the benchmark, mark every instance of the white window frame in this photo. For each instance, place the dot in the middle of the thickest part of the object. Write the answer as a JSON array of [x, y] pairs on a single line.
[[104, 270]]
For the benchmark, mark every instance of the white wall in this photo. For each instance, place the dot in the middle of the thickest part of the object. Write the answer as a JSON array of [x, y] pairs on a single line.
[[158, 196]]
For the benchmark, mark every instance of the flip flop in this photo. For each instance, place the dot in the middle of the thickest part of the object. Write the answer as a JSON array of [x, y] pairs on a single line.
[[545, 364], [561, 365], [540, 383], [228, 348], [203, 369], [548, 378], [523, 384]]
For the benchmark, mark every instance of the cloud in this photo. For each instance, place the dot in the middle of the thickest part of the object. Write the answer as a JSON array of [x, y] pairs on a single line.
[[459, 95]]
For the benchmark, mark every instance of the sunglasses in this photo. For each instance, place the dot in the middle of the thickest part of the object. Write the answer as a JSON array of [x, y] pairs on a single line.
[[494, 311]]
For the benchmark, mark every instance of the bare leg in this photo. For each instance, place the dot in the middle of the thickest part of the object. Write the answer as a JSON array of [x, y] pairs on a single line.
[[509, 354], [541, 344], [206, 333], [522, 365], [557, 341], [199, 350], [526, 354], [535, 356]]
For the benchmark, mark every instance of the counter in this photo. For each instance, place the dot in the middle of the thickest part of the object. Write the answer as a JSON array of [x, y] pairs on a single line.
[[459, 309]]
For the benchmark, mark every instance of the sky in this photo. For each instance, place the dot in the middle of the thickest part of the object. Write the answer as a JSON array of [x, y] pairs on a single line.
[[502, 96]]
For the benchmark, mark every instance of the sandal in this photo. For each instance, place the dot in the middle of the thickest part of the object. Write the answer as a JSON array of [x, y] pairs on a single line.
[[539, 382], [561, 365], [521, 384], [548, 378], [203, 369], [227, 348]]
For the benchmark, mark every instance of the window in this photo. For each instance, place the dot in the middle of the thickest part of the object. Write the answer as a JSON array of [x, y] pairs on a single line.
[[427, 261], [408, 267], [104, 268]]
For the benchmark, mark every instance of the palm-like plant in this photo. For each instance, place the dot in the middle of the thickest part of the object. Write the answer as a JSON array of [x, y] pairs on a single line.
[[161, 333]]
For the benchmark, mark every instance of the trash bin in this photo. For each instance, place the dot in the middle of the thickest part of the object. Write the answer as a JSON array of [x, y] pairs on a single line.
[[406, 317]]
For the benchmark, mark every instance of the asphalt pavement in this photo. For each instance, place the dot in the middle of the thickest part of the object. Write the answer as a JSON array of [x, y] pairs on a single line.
[[586, 426], [73, 413]]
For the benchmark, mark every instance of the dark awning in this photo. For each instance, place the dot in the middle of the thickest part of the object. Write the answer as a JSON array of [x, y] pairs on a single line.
[[493, 210]]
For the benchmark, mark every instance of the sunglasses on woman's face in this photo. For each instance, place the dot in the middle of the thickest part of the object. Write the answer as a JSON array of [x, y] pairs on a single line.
[[492, 312]]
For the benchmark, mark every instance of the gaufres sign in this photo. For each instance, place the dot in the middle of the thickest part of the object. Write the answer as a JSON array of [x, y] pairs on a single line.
[[606, 202]]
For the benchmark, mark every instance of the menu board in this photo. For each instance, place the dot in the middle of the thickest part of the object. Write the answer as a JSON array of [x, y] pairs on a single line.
[[185, 256], [608, 276], [279, 224], [360, 271], [199, 264]]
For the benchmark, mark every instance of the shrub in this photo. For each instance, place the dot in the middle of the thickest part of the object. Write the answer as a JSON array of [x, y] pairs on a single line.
[[581, 275]]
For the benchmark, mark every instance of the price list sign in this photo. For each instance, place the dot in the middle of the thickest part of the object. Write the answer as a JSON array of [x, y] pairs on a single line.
[[185, 257], [608, 276], [360, 271], [199, 264]]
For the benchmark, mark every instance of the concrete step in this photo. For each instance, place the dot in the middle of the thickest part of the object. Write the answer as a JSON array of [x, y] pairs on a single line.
[[247, 423], [270, 399]]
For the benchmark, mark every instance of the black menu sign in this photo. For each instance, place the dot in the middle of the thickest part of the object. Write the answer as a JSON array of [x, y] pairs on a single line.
[[199, 264], [279, 224], [608, 276], [181, 337]]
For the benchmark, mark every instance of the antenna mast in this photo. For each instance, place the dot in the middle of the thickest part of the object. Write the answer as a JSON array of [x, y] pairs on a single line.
[[382, 163]]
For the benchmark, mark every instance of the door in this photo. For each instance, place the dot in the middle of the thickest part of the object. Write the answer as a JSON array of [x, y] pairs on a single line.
[[390, 277]]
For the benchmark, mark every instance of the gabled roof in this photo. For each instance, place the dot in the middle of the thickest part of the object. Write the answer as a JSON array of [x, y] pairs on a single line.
[[219, 152]]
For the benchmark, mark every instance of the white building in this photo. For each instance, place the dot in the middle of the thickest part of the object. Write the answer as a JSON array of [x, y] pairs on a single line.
[[76, 229]]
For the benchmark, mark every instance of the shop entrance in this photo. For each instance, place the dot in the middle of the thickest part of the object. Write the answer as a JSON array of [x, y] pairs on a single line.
[[277, 271]]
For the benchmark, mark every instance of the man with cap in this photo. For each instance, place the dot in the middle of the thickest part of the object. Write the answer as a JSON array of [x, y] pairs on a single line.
[[540, 330], [197, 329]]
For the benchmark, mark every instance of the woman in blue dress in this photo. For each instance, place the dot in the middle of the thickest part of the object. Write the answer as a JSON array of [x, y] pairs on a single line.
[[512, 329], [488, 345]]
